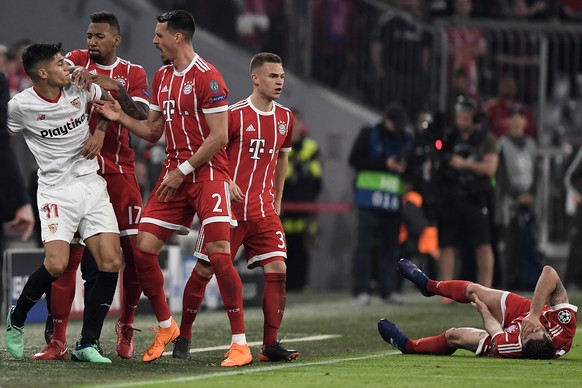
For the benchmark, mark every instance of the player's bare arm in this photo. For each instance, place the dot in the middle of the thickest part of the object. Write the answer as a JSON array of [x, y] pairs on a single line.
[[549, 290], [137, 110], [150, 129], [492, 325], [217, 138], [94, 143], [279, 179]]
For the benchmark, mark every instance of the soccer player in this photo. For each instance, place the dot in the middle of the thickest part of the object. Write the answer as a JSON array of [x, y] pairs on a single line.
[[515, 327], [128, 83], [189, 102], [260, 139], [71, 196]]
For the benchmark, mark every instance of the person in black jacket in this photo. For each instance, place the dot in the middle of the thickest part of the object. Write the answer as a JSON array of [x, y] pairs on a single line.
[[379, 155], [15, 205]]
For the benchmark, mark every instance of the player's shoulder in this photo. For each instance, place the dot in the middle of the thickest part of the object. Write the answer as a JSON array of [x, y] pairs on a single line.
[[239, 105], [165, 69], [23, 97], [129, 64], [282, 107], [78, 55]]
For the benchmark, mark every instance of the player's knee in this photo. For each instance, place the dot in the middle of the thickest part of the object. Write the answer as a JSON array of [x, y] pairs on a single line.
[[453, 336], [111, 264], [218, 247], [275, 266], [474, 288], [204, 269], [55, 267]]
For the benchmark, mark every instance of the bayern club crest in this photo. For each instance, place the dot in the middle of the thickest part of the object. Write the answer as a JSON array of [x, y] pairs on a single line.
[[121, 81], [564, 316], [282, 126], [188, 88]]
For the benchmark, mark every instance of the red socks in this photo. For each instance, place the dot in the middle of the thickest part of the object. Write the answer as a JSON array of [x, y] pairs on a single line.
[[193, 296], [230, 287], [454, 289], [429, 345], [274, 298], [151, 279], [63, 293], [131, 285]]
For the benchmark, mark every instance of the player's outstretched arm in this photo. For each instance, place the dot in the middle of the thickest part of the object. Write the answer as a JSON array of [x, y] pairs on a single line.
[[150, 129], [138, 111]]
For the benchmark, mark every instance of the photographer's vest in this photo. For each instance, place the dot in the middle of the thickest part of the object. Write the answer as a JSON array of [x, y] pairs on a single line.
[[519, 163], [380, 190]]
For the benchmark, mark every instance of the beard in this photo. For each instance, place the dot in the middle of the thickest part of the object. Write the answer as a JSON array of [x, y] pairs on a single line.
[[166, 61]]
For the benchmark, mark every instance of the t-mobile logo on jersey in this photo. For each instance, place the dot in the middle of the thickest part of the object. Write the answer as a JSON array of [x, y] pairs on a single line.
[[257, 147], [169, 109]]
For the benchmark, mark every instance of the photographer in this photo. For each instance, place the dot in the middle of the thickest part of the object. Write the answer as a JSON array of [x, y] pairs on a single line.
[[468, 162]]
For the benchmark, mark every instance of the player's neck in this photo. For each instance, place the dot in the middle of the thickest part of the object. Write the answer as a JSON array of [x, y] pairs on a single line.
[[47, 92], [107, 61], [183, 59], [261, 103]]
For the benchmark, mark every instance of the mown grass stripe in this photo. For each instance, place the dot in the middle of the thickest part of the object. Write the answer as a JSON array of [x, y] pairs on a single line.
[[258, 343], [243, 371]]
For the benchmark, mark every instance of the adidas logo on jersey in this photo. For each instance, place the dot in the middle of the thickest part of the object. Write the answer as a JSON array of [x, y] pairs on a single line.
[[165, 89], [250, 128]]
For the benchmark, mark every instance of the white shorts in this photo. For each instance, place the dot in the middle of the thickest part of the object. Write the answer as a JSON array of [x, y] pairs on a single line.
[[82, 205]]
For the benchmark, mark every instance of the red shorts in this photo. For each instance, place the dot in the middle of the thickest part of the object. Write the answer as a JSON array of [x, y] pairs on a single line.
[[209, 199], [513, 306], [263, 240], [125, 197]]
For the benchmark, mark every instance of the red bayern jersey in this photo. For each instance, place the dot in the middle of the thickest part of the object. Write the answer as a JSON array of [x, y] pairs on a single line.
[[256, 138], [559, 321], [116, 156], [184, 98]]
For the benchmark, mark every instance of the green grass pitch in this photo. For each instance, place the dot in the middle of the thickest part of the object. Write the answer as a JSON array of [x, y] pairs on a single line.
[[351, 353]]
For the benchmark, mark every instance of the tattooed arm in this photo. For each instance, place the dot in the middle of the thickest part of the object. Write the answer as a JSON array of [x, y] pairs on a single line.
[[549, 290], [137, 110]]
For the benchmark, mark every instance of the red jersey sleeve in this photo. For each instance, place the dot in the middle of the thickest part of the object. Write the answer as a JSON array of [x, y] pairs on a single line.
[[286, 146], [138, 85], [560, 321], [213, 92], [78, 57]]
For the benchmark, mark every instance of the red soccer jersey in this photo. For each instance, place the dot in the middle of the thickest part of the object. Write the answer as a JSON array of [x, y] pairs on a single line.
[[116, 156], [559, 321], [184, 98], [256, 138]]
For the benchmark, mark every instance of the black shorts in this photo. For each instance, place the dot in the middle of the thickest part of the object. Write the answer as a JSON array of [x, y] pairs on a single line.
[[464, 219]]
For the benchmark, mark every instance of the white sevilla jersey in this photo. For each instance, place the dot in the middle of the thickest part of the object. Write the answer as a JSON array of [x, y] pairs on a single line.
[[116, 156], [256, 138], [55, 132]]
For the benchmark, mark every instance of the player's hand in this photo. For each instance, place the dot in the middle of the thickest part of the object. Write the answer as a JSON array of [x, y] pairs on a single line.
[[170, 185], [105, 82], [479, 305], [110, 109], [530, 324], [81, 77], [23, 221], [236, 193], [93, 145]]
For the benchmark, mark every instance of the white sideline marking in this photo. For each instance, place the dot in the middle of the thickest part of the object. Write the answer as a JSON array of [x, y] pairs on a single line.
[[240, 371], [257, 343]]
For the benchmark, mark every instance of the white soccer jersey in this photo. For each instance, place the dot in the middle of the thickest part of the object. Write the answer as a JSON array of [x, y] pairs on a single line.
[[55, 132]]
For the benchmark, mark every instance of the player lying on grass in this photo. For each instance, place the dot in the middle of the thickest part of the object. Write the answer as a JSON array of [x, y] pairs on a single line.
[[515, 327]]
